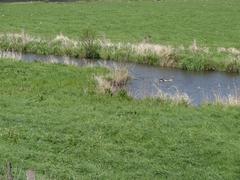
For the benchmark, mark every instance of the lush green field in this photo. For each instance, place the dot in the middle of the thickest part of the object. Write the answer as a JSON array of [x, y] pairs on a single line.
[[52, 121], [175, 22]]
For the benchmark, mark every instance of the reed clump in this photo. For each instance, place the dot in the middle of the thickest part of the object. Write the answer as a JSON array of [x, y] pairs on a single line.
[[113, 82], [176, 98], [90, 45], [232, 99]]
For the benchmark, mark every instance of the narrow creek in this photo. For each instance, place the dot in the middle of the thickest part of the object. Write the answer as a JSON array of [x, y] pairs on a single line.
[[147, 80]]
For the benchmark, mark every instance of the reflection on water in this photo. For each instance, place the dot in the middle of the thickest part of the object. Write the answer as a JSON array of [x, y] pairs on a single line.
[[147, 80]]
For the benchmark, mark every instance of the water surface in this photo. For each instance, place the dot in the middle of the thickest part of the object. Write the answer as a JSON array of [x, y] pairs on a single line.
[[147, 81]]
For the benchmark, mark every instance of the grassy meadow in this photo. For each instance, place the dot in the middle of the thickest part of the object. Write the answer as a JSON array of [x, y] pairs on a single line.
[[196, 35], [53, 121], [173, 22], [190, 34]]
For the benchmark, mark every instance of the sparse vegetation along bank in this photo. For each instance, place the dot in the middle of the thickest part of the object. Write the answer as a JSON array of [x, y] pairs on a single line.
[[193, 57]]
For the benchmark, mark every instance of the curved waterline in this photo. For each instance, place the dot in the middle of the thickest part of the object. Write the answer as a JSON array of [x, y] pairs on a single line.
[[147, 81]]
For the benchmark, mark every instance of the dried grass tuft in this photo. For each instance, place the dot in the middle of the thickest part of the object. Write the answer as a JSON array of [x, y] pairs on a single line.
[[229, 100], [10, 55], [65, 41], [195, 48], [113, 82], [176, 98], [15, 37], [232, 51]]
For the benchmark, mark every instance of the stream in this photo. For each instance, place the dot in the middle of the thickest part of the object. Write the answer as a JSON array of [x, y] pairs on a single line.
[[147, 81]]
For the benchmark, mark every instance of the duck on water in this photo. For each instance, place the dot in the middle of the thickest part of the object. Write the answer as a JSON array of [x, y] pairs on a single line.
[[165, 80]]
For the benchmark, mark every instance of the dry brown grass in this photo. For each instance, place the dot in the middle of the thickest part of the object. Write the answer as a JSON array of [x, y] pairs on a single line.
[[114, 81], [10, 55], [232, 99], [233, 51], [196, 48], [176, 98], [65, 41], [23, 37]]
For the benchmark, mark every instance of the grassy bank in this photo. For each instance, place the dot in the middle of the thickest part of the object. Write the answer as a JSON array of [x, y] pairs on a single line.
[[188, 34], [174, 22], [53, 121], [192, 57]]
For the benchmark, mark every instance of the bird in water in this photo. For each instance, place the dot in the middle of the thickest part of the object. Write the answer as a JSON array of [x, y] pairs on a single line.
[[165, 80]]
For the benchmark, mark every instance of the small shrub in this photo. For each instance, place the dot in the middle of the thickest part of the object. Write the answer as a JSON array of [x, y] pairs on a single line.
[[39, 47], [114, 82], [190, 63], [196, 62], [90, 45], [149, 58]]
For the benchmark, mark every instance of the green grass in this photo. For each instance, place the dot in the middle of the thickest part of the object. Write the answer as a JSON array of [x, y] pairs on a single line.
[[174, 22], [52, 121], [212, 23]]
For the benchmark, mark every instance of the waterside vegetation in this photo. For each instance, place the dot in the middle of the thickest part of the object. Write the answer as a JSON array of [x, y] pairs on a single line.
[[193, 57]]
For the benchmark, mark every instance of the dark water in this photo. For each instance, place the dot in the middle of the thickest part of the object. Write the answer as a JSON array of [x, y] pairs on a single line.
[[147, 80], [199, 86]]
